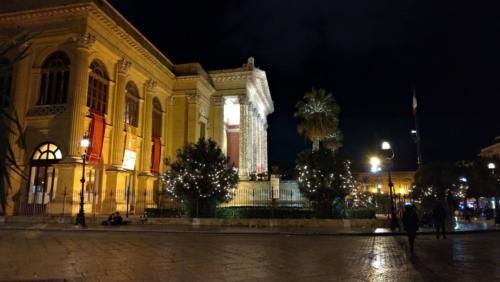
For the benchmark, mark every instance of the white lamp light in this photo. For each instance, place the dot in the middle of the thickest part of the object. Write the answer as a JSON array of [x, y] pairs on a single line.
[[491, 166], [386, 145], [85, 143]]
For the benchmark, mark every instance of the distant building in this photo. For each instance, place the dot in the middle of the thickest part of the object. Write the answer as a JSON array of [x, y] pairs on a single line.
[[379, 184], [492, 150], [90, 72]]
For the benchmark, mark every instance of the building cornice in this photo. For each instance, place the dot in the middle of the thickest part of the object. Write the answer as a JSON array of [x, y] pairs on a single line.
[[105, 17]]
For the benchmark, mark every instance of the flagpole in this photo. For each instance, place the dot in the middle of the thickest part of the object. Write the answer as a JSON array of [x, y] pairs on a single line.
[[417, 130]]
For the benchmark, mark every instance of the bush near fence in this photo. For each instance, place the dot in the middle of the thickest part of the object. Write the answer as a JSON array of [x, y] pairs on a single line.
[[165, 212], [263, 212], [359, 213]]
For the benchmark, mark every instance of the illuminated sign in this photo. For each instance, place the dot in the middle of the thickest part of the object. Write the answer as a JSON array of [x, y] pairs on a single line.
[[129, 160]]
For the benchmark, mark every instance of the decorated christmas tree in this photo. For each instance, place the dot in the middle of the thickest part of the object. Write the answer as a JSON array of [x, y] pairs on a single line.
[[201, 178]]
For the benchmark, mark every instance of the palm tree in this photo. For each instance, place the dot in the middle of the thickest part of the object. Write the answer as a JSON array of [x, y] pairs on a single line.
[[16, 48], [318, 116]]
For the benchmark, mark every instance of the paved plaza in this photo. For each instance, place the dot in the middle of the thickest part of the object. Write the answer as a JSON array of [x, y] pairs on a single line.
[[132, 256]]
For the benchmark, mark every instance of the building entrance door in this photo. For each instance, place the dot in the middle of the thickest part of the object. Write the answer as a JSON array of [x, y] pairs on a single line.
[[42, 179]]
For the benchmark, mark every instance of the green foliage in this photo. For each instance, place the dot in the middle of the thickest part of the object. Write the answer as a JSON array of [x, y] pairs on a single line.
[[15, 49], [480, 182], [201, 178], [435, 181], [263, 212], [359, 213], [165, 212], [318, 118], [324, 177]]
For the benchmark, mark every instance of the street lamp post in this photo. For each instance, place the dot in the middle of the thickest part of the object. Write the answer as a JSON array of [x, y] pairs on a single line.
[[386, 146], [492, 167], [80, 217]]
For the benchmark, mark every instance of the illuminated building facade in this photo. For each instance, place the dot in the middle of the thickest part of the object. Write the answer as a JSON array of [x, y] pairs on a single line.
[[378, 183], [91, 73]]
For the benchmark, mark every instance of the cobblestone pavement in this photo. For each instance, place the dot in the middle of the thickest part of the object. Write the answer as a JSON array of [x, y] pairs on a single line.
[[125, 256]]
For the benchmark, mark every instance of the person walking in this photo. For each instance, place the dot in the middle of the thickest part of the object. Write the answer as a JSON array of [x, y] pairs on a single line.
[[410, 224], [439, 215]]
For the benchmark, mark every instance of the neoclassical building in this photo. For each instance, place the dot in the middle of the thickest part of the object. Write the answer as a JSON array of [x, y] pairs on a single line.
[[91, 74]]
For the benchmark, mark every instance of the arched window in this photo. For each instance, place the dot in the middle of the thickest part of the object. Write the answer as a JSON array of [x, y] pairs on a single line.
[[157, 113], [132, 105], [97, 96], [43, 176], [47, 151], [5, 81], [55, 79]]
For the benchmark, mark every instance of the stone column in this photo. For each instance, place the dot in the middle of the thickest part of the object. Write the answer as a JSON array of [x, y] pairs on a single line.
[[192, 118], [118, 119], [80, 81], [259, 145], [264, 146], [147, 135], [250, 139], [243, 158], [217, 122]]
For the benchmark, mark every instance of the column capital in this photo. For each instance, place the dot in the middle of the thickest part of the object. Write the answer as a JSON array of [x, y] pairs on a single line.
[[123, 66], [85, 40], [170, 100], [193, 97], [217, 100], [150, 85], [243, 99]]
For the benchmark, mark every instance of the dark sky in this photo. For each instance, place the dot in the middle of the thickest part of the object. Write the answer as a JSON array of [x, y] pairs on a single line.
[[367, 53]]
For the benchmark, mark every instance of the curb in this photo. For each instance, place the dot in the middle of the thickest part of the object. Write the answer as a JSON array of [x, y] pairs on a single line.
[[216, 232]]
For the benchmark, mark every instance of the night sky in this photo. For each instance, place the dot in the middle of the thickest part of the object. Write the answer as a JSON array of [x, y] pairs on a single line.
[[366, 53]]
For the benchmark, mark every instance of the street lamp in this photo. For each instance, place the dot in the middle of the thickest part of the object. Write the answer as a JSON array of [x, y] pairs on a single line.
[[386, 146], [492, 167], [80, 217]]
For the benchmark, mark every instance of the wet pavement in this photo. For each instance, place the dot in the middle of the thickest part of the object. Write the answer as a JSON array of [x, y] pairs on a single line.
[[34, 255]]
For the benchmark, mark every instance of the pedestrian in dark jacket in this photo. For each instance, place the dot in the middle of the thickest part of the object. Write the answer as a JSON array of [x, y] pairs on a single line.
[[410, 224], [439, 216]]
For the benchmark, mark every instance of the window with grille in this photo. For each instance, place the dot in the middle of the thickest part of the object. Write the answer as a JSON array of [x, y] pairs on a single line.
[[5, 81], [55, 80], [97, 96], [132, 105], [157, 114]]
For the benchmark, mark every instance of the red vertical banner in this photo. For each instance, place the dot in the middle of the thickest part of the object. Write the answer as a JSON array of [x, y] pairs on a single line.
[[97, 129], [156, 155]]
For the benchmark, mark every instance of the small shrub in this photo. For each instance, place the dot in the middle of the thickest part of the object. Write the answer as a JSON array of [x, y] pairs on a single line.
[[165, 212], [359, 213], [263, 212]]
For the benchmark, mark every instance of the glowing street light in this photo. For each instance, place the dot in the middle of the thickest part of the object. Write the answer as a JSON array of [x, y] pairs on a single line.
[[375, 161], [491, 166], [386, 145]]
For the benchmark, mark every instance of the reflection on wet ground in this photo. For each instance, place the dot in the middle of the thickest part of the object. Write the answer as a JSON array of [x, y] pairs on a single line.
[[35, 255]]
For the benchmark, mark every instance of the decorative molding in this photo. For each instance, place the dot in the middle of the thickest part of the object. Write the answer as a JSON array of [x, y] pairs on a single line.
[[217, 100], [132, 42], [150, 85], [47, 110], [193, 97], [123, 66], [243, 99], [170, 100], [86, 40]]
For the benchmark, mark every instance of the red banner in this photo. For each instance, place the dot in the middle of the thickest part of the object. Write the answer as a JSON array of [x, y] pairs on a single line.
[[97, 128], [156, 155]]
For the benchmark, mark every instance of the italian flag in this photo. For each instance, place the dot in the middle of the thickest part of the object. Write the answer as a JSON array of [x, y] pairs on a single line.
[[414, 105]]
